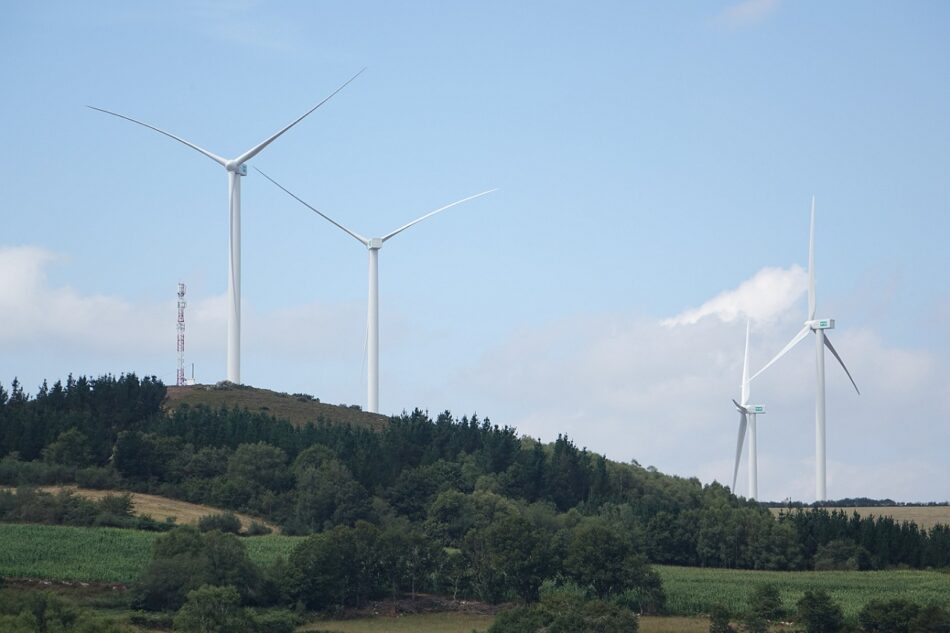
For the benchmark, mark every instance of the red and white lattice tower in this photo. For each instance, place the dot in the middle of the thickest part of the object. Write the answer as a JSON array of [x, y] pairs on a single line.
[[181, 334]]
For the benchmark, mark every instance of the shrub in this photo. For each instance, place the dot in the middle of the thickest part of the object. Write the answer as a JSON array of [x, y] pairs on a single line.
[[211, 609], [719, 620], [931, 619], [843, 555], [566, 611], [893, 616], [819, 613], [118, 505], [226, 522], [765, 603], [96, 478], [258, 529]]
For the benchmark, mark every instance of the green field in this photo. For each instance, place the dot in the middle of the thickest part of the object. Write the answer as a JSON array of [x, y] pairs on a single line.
[[97, 554], [112, 555], [692, 590]]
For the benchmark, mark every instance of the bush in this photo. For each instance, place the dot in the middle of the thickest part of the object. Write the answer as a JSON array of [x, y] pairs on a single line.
[[893, 616], [226, 522], [819, 613], [566, 611], [96, 478], [258, 529], [931, 619], [184, 559], [274, 621], [765, 603], [211, 609], [118, 505], [719, 620], [842, 555]]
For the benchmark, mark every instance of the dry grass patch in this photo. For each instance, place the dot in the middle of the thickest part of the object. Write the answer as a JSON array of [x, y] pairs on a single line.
[[159, 508]]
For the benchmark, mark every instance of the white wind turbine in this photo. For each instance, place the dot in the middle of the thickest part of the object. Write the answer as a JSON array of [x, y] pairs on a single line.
[[818, 326], [747, 418], [236, 168], [373, 244]]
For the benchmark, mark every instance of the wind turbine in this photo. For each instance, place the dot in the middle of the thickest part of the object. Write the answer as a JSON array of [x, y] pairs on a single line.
[[747, 417], [818, 326], [236, 168], [373, 244]]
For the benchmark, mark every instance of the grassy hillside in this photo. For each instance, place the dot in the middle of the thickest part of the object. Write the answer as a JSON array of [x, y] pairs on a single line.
[[924, 516], [297, 409]]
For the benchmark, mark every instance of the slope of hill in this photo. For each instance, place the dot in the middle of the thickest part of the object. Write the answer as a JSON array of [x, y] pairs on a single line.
[[298, 409]]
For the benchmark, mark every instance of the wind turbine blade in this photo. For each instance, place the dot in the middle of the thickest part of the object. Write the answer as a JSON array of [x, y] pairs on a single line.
[[214, 157], [254, 151], [735, 471], [795, 341], [835, 352], [357, 236], [431, 213], [745, 367], [739, 407], [811, 263]]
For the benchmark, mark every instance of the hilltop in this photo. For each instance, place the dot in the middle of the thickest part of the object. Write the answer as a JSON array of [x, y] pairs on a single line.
[[298, 408]]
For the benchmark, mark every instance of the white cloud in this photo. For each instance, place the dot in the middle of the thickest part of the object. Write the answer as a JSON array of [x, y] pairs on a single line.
[[746, 13], [764, 297]]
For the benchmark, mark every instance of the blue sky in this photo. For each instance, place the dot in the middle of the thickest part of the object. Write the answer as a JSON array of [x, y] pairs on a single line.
[[652, 159]]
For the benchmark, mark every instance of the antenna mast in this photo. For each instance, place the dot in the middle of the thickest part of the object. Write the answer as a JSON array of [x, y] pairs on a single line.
[[181, 334]]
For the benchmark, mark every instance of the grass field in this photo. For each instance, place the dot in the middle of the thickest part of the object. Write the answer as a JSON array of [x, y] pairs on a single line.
[[924, 516], [298, 411], [692, 590], [159, 508]]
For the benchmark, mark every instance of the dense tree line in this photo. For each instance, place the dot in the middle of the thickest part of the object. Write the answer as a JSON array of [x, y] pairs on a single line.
[[452, 480]]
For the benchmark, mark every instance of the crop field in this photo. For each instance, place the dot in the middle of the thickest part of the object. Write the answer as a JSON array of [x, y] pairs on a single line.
[[924, 516], [692, 590], [98, 554]]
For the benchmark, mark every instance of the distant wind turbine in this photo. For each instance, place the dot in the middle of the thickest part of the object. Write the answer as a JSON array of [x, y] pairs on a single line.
[[236, 168], [747, 418], [818, 326], [373, 245]]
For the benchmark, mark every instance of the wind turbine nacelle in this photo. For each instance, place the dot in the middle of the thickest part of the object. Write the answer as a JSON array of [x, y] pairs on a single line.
[[240, 170], [375, 242], [822, 324], [756, 409]]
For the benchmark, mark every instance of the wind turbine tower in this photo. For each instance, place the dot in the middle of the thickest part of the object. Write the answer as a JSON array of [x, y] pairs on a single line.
[[181, 335], [373, 245], [235, 168], [748, 416], [818, 327]]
